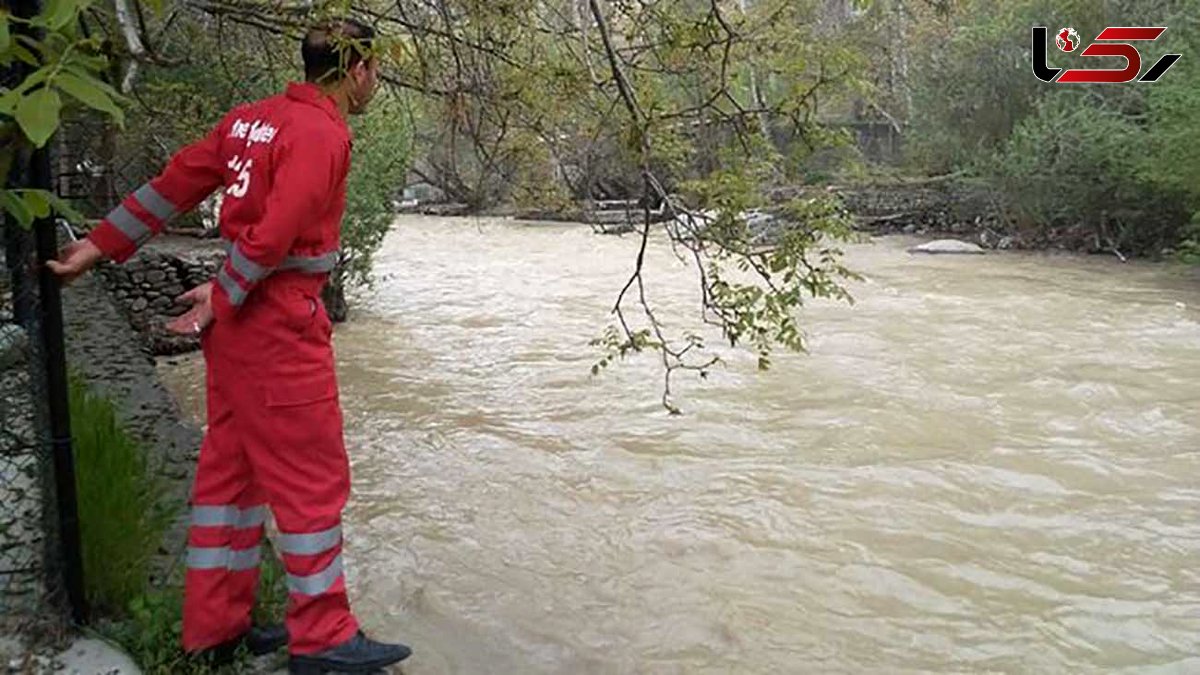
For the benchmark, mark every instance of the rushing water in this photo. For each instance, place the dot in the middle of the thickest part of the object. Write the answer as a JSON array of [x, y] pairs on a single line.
[[988, 464]]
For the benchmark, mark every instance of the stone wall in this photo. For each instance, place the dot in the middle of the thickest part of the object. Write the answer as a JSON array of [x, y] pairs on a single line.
[[939, 206], [146, 286], [117, 362], [942, 206]]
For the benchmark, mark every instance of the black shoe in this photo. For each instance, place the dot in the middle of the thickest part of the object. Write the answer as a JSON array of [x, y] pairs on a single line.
[[359, 654], [259, 640], [262, 640]]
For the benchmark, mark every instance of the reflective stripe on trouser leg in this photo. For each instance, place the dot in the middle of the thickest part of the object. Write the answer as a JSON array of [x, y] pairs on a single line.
[[223, 557], [225, 534], [247, 535], [322, 544], [318, 609], [298, 455]]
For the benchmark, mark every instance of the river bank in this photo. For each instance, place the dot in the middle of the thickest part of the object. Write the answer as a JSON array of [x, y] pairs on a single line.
[[938, 207]]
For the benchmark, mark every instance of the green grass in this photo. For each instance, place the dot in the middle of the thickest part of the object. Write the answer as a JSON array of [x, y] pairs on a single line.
[[272, 590], [152, 627], [124, 512]]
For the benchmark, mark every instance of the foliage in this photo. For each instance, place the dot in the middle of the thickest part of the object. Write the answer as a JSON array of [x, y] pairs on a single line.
[[122, 513], [377, 171], [1107, 168], [272, 589], [700, 109], [56, 62], [722, 141], [151, 629], [1075, 164]]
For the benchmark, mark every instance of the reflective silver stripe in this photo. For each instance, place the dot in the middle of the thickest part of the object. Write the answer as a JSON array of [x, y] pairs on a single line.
[[310, 544], [251, 517], [155, 203], [316, 584], [232, 289], [199, 558], [221, 516], [311, 264], [245, 559], [213, 516], [129, 225], [223, 557], [250, 270]]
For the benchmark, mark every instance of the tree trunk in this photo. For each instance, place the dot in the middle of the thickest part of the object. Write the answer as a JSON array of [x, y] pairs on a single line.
[[334, 297]]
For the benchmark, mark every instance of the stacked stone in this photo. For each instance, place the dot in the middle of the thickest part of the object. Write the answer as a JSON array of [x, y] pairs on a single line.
[[146, 288], [949, 207]]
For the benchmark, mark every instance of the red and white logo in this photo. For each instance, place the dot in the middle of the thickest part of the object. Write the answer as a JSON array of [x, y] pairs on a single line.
[[1067, 40], [1112, 41]]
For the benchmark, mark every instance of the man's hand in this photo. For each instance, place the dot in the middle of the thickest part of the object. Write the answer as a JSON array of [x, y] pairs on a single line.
[[196, 319], [76, 258]]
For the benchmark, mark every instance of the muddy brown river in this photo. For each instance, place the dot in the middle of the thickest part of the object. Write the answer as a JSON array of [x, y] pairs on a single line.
[[988, 464]]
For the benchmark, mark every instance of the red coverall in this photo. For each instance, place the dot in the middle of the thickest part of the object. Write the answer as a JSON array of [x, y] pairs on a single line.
[[274, 423]]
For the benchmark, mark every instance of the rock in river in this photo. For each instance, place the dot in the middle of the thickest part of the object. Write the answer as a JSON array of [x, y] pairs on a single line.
[[947, 246]]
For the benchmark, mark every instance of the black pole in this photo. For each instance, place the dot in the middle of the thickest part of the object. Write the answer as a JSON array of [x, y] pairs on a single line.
[[53, 349], [58, 398]]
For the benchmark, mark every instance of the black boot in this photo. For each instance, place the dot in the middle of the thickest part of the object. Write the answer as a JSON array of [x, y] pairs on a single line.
[[359, 654], [259, 640]]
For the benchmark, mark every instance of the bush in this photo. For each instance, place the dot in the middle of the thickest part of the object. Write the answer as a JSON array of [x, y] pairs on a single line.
[[377, 170], [1077, 169], [1094, 167]]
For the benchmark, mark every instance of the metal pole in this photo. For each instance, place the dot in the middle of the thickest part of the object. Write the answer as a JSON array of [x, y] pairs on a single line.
[[58, 398], [53, 350]]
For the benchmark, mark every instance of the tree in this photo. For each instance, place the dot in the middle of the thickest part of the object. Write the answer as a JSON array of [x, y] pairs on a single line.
[[377, 172], [700, 109]]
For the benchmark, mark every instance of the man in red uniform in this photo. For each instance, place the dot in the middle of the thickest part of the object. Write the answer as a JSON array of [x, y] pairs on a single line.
[[274, 434]]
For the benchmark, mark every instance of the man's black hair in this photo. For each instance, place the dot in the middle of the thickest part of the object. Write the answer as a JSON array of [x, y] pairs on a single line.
[[332, 49]]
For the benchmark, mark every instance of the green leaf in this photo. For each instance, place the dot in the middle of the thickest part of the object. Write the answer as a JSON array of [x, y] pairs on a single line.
[[24, 54], [38, 115], [36, 201], [10, 99], [58, 13], [85, 64], [90, 94], [5, 36], [81, 71], [16, 208], [64, 209]]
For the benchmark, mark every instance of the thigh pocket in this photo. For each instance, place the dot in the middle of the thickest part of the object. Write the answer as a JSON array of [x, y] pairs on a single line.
[[292, 391]]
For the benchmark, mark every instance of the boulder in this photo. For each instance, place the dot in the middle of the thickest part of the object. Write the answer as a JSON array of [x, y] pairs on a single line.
[[14, 345], [87, 656], [951, 246]]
